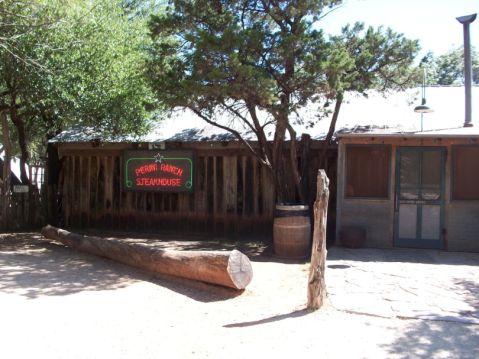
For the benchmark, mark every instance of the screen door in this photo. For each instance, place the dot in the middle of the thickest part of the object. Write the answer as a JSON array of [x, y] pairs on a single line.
[[419, 197]]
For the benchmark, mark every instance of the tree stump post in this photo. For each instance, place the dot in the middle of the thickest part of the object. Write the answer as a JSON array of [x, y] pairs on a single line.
[[316, 283]]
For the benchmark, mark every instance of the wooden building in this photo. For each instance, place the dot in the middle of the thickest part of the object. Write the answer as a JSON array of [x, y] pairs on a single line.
[[416, 190], [409, 180], [410, 187], [231, 196]]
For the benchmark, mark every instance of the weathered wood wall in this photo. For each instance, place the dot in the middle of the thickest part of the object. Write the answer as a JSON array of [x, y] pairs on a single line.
[[25, 211], [233, 195]]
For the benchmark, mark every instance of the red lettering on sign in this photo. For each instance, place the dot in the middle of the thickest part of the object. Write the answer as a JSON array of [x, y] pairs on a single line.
[[172, 169], [146, 169], [166, 182]]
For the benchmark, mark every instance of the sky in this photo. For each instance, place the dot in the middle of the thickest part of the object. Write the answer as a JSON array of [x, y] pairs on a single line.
[[433, 22]]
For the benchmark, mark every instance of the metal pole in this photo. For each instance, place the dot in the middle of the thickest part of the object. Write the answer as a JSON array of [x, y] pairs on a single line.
[[465, 21]]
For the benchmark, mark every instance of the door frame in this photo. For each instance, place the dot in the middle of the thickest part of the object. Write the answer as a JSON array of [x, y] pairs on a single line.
[[418, 242]]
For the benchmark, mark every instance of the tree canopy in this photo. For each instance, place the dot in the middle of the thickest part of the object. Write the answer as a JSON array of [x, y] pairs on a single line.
[[64, 62], [448, 68], [261, 62]]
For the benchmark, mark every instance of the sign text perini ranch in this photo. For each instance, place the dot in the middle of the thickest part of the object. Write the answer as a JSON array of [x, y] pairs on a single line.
[[158, 171]]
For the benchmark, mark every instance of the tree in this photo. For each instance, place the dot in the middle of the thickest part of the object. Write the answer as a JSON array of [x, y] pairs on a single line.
[[83, 68], [261, 62], [448, 69], [383, 61]]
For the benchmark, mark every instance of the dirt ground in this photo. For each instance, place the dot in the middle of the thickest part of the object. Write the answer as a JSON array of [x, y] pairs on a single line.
[[58, 303]]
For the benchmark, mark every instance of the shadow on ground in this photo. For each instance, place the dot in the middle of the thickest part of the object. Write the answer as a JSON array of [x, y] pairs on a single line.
[[276, 318], [427, 339]]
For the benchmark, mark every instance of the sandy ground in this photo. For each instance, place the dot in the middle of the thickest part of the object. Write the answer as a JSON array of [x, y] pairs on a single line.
[[57, 303]]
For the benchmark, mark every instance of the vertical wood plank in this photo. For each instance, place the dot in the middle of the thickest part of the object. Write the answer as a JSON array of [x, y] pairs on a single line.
[[149, 210], [116, 192], [183, 212], [249, 196], [66, 199], [192, 220], [131, 210], [269, 203], [76, 221], [156, 211], [173, 217], [108, 191], [240, 196], [93, 191], [210, 195], [87, 194], [258, 199], [140, 211], [100, 207], [84, 192], [230, 184], [201, 196], [220, 196]]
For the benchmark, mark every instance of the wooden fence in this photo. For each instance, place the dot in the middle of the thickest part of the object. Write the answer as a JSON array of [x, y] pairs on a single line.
[[233, 196], [30, 210]]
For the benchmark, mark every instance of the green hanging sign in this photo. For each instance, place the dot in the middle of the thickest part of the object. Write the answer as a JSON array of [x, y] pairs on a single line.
[[168, 171]]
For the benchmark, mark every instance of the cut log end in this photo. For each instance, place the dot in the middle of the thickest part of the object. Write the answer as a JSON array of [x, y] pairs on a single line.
[[240, 269]]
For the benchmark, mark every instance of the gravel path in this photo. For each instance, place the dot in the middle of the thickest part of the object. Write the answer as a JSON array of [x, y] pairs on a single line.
[[57, 303]]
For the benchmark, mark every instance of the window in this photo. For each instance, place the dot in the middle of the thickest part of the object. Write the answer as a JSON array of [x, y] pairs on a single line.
[[367, 171], [465, 173]]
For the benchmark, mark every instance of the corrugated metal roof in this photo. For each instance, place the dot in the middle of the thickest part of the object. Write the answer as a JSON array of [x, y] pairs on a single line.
[[376, 114]]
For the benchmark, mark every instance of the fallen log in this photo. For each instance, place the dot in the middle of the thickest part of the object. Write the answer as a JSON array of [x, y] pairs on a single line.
[[231, 269]]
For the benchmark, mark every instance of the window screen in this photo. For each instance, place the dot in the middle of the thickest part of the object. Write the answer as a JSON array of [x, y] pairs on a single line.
[[465, 172], [367, 172]]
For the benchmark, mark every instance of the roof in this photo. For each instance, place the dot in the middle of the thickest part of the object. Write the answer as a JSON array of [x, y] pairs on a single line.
[[382, 116], [394, 116]]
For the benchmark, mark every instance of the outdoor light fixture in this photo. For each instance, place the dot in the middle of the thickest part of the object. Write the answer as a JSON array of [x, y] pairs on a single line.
[[422, 108]]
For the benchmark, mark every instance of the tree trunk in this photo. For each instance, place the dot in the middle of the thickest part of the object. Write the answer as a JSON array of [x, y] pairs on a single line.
[[332, 127], [231, 269], [297, 177], [6, 171], [20, 126], [305, 148], [316, 283]]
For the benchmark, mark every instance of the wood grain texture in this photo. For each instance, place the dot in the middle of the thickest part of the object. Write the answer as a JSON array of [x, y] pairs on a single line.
[[231, 269], [316, 283]]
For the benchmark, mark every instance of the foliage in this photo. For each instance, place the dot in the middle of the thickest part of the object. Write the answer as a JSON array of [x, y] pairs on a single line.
[[383, 61], [261, 62], [448, 69], [65, 62], [258, 61]]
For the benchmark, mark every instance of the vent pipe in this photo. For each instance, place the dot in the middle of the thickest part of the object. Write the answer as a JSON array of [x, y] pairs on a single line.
[[465, 21]]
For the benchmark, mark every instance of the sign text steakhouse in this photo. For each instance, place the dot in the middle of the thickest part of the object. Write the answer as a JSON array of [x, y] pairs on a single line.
[[172, 182]]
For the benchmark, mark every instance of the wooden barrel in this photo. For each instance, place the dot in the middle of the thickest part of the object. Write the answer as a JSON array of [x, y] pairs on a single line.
[[291, 231]]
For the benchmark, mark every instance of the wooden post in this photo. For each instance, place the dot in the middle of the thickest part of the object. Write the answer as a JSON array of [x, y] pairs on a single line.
[[231, 269], [6, 172], [316, 283]]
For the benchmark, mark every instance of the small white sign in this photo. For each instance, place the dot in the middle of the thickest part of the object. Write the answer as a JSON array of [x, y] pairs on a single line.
[[20, 189]]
